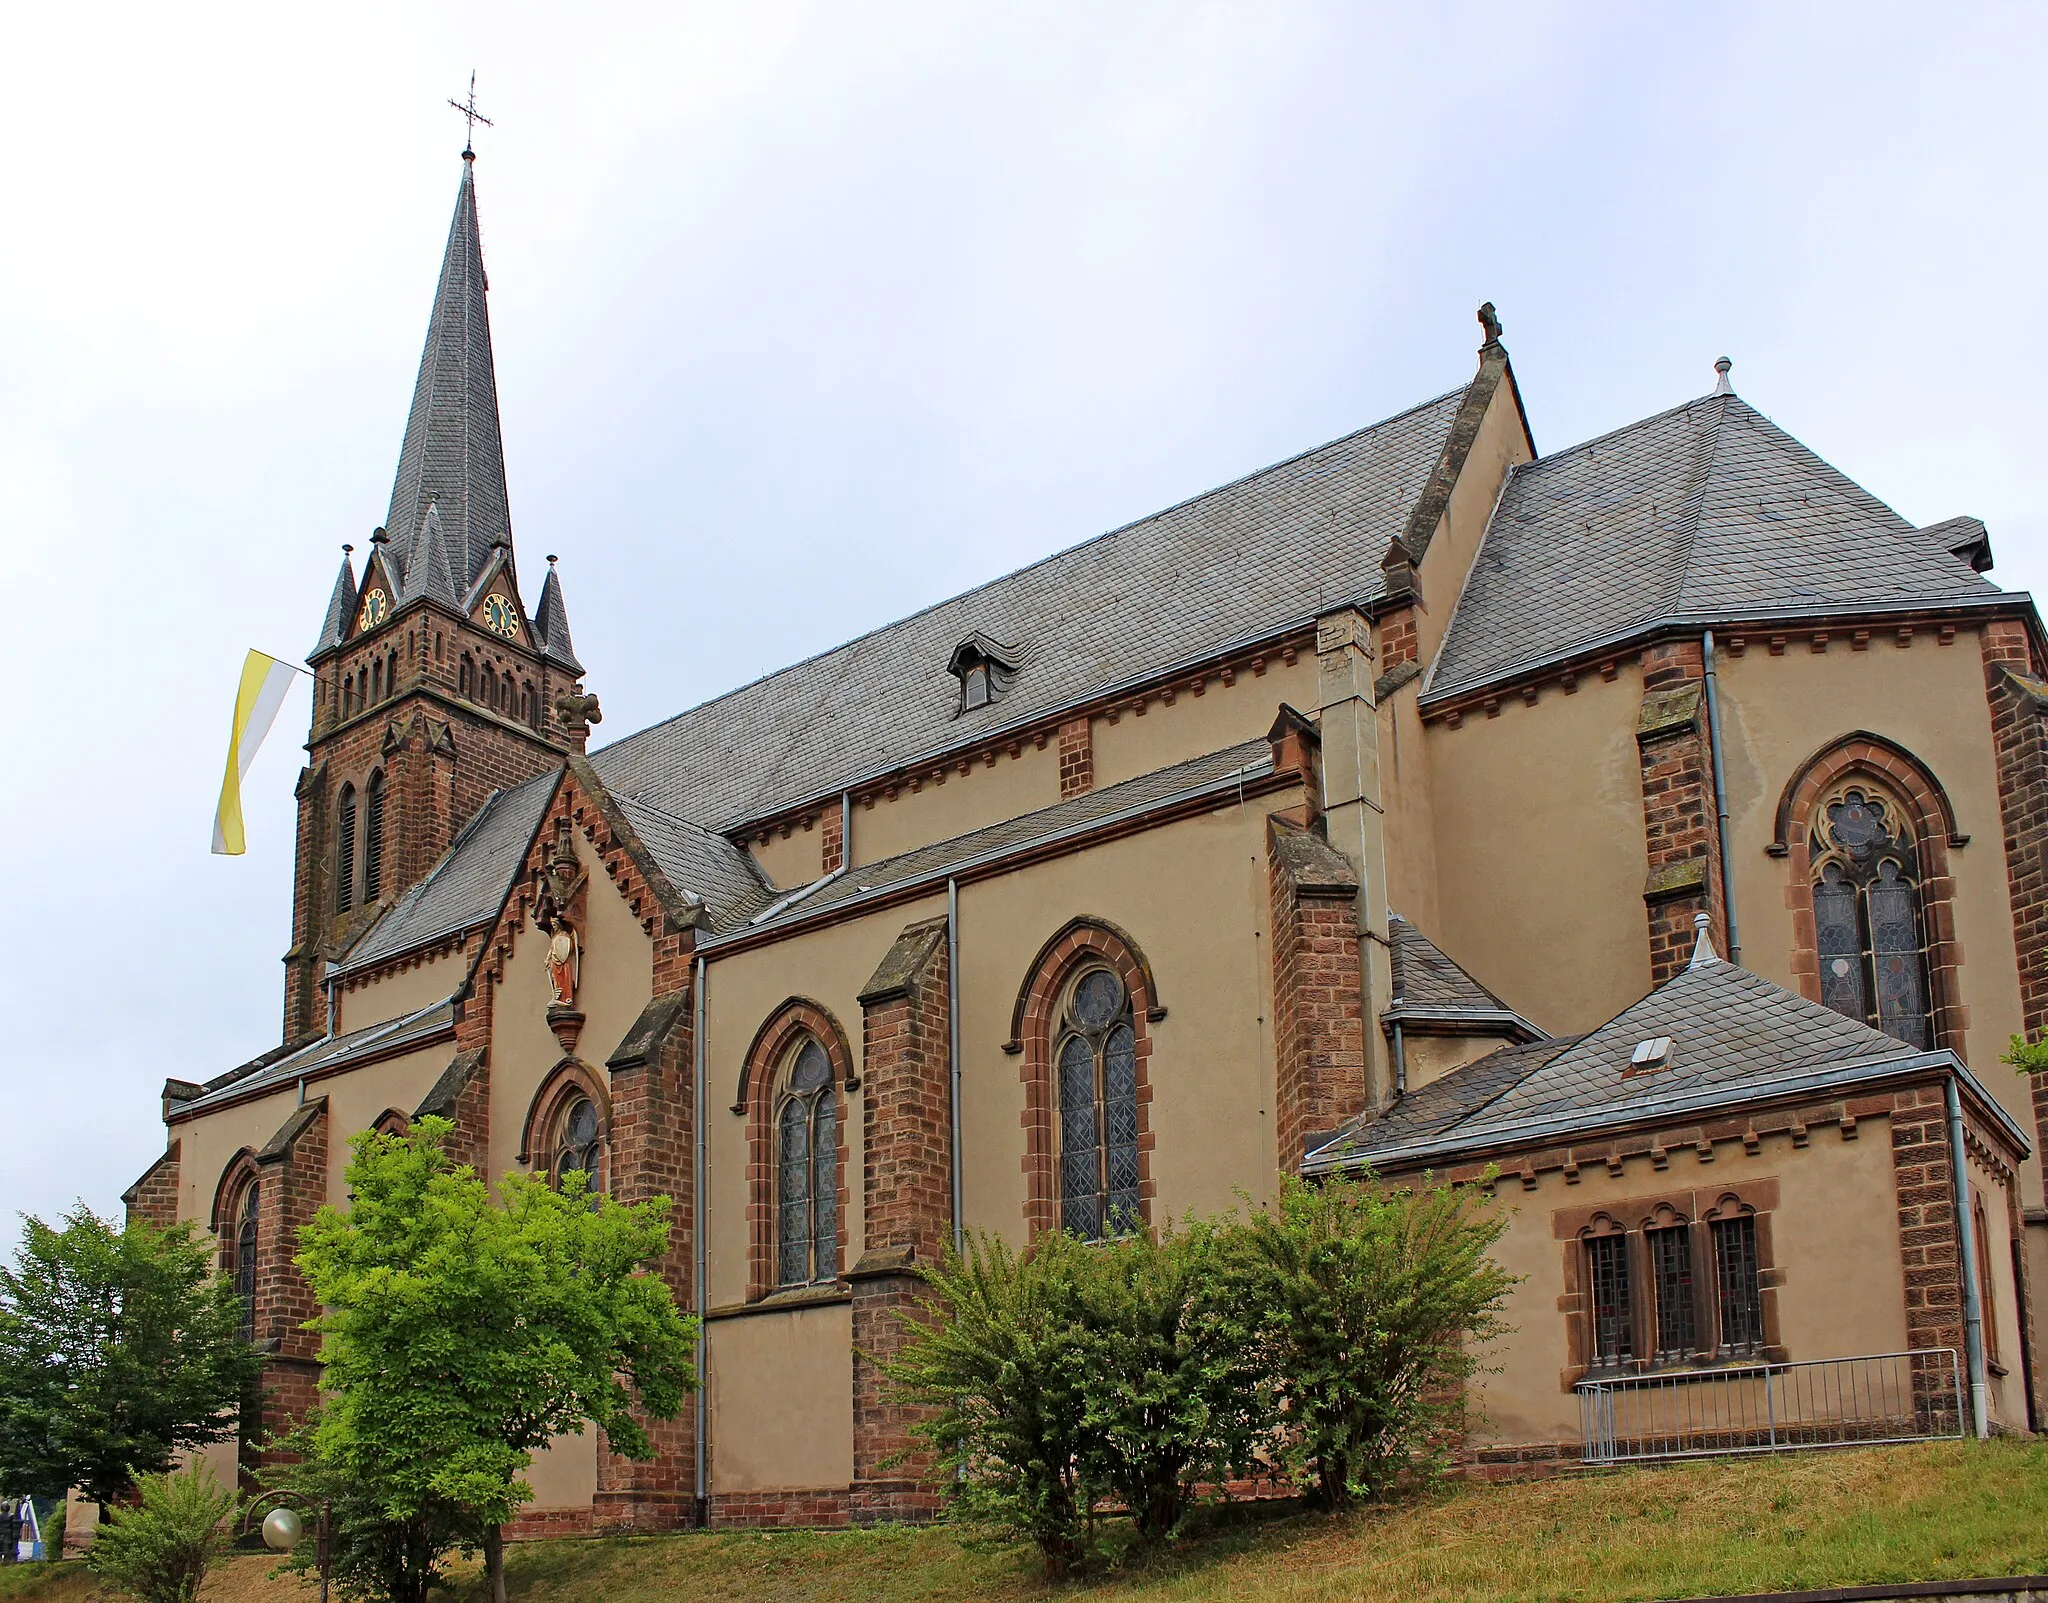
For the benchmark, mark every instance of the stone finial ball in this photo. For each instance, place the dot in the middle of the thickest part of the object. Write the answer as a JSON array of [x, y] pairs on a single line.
[[282, 1529]]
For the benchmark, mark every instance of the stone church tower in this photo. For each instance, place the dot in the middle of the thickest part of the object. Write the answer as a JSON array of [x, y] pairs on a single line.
[[433, 684]]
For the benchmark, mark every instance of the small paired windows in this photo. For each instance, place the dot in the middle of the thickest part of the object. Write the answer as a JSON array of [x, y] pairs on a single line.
[[984, 668], [1645, 1300]]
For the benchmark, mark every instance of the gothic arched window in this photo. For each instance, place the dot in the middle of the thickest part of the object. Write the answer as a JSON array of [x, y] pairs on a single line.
[[579, 1143], [373, 840], [242, 1257], [1870, 935], [345, 851], [807, 1170], [465, 677], [1095, 1079]]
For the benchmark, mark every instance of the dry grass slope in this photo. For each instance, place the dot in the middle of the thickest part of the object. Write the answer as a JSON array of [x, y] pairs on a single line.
[[1910, 1513]]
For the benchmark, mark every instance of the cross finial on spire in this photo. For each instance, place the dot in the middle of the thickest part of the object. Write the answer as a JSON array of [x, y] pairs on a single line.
[[473, 116]]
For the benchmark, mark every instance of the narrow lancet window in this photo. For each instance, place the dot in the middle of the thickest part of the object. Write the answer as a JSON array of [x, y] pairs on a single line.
[[807, 1171], [1096, 1081]]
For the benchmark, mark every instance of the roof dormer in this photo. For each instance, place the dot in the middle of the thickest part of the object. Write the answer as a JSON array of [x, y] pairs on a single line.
[[984, 668]]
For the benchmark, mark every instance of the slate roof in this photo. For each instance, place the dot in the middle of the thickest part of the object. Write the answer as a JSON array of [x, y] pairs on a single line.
[[1427, 983], [1251, 760], [1708, 511], [328, 1053], [695, 860], [1238, 564], [1733, 1034], [452, 456], [341, 608], [468, 885], [551, 624]]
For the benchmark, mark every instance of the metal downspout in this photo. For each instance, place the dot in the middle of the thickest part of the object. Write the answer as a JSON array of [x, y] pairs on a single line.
[[1400, 1064], [1721, 801], [698, 1190], [1966, 1243], [953, 1047]]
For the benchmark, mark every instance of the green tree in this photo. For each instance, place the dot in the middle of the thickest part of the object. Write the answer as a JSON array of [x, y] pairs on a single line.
[[1366, 1303], [119, 1349], [2029, 1057], [161, 1549], [461, 1335]]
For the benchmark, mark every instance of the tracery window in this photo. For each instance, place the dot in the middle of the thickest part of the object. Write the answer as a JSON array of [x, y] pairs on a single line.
[[1649, 1298], [579, 1143], [345, 851], [1095, 1075], [807, 1170], [373, 840], [242, 1258], [1869, 931]]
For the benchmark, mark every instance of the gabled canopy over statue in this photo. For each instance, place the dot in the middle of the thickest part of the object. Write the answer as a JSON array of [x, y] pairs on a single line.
[[560, 884]]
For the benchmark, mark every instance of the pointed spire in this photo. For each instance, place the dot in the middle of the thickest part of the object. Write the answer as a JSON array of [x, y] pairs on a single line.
[[430, 573], [452, 455], [1703, 951], [551, 623], [341, 606]]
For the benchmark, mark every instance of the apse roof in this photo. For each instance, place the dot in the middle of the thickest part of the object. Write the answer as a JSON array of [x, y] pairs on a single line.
[[1708, 511]]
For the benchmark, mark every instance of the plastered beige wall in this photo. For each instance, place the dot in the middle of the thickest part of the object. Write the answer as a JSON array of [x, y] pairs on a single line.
[[1194, 896], [355, 1099], [829, 966], [209, 1143], [393, 995], [1431, 1057], [790, 862], [616, 981], [2002, 1308], [941, 809], [564, 1473], [1776, 712], [1541, 860], [1835, 1236], [781, 1399], [1409, 798], [1223, 715], [1500, 442]]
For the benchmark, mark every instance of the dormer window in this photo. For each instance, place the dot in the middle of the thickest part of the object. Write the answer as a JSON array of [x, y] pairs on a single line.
[[984, 668]]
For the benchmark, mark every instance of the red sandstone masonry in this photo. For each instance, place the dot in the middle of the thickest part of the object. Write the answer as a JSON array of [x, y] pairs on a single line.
[[154, 1197], [1318, 1020], [2019, 726], [1679, 833], [292, 1185], [1077, 757]]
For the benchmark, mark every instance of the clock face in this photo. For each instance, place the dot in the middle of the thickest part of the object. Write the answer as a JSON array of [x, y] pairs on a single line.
[[501, 617], [375, 609]]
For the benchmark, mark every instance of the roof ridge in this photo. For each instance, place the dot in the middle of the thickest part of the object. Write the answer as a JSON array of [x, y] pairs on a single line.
[[1028, 567], [1706, 452]]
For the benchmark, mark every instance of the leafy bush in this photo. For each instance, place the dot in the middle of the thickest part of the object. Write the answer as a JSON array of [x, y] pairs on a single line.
[[161, 1549], [1366, 1303], [375, 1554], [1324, 1343]]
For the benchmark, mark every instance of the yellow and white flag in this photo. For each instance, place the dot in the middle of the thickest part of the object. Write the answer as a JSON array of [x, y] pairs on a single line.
[[264, 682]]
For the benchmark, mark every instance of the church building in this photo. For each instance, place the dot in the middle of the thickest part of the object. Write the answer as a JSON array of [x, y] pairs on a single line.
[[1654, 828]]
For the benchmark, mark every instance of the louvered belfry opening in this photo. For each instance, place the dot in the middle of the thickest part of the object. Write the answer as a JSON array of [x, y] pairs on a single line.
[[373, 841], [345, 851]]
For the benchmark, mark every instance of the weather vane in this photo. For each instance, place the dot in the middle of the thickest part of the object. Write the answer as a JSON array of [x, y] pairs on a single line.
[[469, 111]]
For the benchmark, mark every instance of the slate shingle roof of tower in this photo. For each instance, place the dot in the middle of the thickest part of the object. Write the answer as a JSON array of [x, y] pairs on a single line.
[[551, 625], [341, 607], [1708, 511], [469, 884], [1238, 564], [1731, 1032], [452, 456]]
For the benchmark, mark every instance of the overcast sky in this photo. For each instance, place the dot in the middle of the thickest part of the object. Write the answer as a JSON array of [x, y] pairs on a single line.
[[807, 316]]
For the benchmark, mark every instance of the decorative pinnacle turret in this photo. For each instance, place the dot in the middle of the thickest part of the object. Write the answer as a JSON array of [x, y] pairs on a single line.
[[1702, 949], [1721, 384]]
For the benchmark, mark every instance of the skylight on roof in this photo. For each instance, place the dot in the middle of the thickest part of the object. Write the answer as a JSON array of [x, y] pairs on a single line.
[[1649, 1056]]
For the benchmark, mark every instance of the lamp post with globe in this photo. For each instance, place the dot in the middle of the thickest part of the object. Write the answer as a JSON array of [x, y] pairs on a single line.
[[284, 1527]]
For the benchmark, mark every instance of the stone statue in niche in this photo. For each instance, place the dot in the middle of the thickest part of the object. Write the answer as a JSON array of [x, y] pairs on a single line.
[[558, 900]]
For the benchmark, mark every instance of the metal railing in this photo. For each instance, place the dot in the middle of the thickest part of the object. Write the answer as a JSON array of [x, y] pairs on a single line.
[[1772, 1408]]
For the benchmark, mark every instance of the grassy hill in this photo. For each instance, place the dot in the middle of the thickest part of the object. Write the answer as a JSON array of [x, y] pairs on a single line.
[[1819, 1519]]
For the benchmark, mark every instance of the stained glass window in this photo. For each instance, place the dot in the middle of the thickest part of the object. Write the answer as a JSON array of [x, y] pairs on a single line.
[[807, 1172], [1096, 1064], [1613, 1316], [578, 1142], [245, 1259], [1869, 934], [1742, 1298], [1671, 1273]]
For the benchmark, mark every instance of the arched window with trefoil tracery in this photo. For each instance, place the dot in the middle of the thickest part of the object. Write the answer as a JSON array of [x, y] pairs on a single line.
[[1869, 933], [806, 1169], [1095, 1078]]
